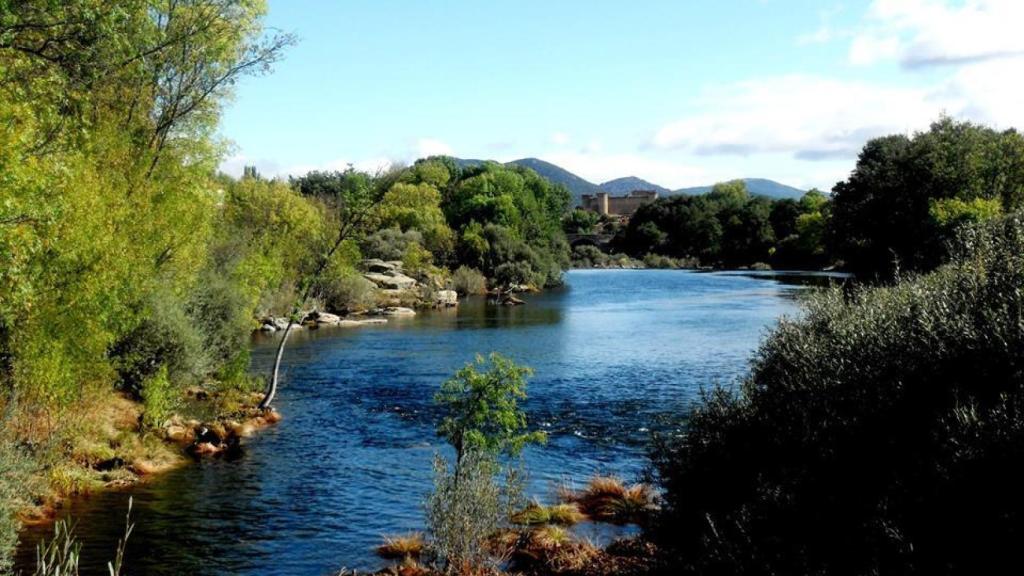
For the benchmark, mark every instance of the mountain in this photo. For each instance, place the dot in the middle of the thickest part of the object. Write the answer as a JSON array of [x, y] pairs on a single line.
[[621, 186], [578, 186], [558, 175], [756, 187]]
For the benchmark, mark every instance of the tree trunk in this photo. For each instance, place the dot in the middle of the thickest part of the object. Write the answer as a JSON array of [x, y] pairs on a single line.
[[268, 396]]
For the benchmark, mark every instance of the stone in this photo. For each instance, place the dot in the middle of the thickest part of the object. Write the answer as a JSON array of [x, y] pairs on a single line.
[[395, 280], [398, 311], [268, 328], [326, 318], [380, 266], [176, 433], [281, 323], [446, 298]]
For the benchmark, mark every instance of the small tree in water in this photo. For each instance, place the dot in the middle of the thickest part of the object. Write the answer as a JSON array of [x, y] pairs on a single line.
[[484, 422], [483, 408]]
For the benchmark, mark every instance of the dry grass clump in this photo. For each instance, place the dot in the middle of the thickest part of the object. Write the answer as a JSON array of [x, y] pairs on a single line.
[[404, 546], [552, 549], [535, 514], [609, 499]]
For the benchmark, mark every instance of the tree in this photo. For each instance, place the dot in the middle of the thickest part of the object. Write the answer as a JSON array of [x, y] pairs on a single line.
[[350, 198], [883, 215], [481, 402]]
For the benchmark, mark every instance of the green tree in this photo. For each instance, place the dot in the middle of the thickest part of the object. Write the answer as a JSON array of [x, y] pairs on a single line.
[[481, 402]]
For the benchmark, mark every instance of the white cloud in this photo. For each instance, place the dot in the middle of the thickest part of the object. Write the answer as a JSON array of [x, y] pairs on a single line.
[[930, 32], [806, 116], [560, 138], [431, 147]]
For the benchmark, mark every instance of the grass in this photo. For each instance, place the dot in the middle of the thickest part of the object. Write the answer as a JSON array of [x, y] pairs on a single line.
[[535, 514], [400, 547], [609, 499]]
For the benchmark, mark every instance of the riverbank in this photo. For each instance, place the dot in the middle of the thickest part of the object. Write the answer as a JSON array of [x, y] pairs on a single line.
[[114, 449]]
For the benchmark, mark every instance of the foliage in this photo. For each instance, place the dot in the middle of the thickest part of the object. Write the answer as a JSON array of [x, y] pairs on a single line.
[[467, 281], [465, 509], [581, 221], [892, 212], [391, 243], [481, 402], [345, 290], [159, 397], [872, 434], [729, 227], [16, 471]]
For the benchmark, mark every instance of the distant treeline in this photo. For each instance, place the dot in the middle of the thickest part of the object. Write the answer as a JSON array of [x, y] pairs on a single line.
[[898, 210]]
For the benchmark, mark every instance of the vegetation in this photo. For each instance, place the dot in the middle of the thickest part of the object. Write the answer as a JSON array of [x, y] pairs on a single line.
[[907, 195], [728, 227], [872, 434], [468, 506]]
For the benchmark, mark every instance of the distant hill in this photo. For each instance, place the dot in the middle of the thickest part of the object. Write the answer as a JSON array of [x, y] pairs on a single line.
[[756, 186], [578, 186], [621, 186]]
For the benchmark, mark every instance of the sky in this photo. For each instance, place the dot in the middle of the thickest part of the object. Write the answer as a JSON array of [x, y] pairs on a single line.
[[679, 93]]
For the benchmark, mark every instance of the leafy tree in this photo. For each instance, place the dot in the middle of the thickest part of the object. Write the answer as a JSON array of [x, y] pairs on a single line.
[[481, 402], [882, 215]]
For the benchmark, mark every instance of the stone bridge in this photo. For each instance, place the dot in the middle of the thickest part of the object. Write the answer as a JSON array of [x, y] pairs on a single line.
[[599, 240]]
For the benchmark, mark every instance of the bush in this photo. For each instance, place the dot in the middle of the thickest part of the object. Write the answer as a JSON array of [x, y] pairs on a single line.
[[390, 243], [465, 509], [16, 473], [167, 338], [159, 399], [466, 281], [873, 434], [347, 291]]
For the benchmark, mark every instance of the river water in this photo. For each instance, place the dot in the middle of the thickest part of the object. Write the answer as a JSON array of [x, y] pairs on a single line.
[[617, 353]]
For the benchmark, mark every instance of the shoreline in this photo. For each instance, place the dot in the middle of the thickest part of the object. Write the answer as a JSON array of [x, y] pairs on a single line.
[[120, 454]]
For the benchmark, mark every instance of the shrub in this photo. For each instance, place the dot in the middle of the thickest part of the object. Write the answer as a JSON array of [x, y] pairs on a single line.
[[167, 338], [466, 281], [390, 243], [159, 399], [347, 291], [16, 474], [872, 435], [465, 509]]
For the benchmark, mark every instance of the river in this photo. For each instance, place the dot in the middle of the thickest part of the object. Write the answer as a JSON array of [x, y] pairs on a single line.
[[617, 353]]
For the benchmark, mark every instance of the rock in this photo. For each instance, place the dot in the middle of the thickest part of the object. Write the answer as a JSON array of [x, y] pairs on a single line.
[[326, 318], [394, 280], [398, 311], [510, 300], [268, 328], [357, 323], [181, 434], [206, 435], [281, 323], [380, 266], [446, 298]]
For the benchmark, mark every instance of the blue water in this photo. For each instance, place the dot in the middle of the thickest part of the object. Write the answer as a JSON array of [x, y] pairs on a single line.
[[617, 353]]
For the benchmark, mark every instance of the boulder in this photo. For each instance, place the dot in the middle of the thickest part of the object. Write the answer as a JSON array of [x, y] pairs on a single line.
[[268, 328], [379, 266], [281, 323], [398, 311], [395, 280], [446, 298], [326, 318], [356, 323]]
